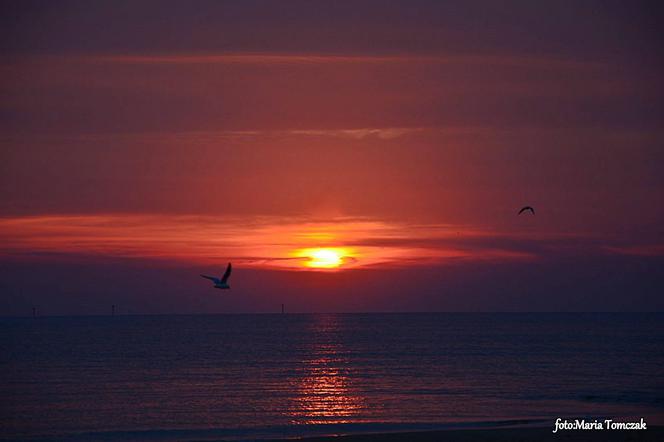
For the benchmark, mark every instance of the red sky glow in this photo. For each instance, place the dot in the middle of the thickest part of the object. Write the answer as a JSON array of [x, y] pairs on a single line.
[[375, 148]]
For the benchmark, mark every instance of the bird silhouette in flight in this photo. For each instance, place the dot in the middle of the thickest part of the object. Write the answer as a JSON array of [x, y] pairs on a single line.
[[221, 283], [525, 209]]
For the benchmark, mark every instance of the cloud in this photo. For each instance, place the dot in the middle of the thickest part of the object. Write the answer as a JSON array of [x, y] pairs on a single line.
[[384, 133], [285, 242], [638, 250], [525, 61], [262, 242]]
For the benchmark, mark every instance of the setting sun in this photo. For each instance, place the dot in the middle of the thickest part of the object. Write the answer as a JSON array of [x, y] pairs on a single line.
[[324, 258]]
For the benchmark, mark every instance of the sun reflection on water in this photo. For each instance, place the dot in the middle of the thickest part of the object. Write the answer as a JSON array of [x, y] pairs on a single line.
[[325, 393]]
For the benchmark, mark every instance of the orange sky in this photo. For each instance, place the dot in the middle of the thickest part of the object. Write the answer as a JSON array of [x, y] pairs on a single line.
[[257, 242]]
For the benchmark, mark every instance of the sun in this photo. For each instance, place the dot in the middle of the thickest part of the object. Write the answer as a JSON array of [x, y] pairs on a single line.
[[324, 258]]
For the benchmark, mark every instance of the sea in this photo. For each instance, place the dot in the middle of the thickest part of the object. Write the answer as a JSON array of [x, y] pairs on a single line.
[[259, 376]]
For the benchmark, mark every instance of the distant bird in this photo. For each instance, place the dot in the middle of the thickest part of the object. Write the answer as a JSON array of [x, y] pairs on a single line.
[[223, 282], [526, 208]]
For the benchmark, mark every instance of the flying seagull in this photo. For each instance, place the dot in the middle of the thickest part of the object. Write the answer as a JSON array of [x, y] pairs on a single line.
[[526, 208], [223, 282]]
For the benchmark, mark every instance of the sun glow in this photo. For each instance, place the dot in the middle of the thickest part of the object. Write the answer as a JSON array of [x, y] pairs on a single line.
[[324, 258], [263, 242]]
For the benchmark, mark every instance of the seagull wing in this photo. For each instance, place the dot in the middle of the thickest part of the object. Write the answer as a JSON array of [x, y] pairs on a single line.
[[212, 278], [227, 274], [523, 209]]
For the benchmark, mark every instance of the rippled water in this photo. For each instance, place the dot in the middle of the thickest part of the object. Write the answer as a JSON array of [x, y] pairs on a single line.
[[242, 376]]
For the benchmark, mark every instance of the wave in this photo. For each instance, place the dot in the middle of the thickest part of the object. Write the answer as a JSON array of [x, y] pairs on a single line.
[[650, 399], [624, 398], [277, 432]]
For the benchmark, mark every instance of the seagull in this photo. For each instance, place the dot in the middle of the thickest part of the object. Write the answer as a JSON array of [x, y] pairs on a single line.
[[223, 282], [526, 208]]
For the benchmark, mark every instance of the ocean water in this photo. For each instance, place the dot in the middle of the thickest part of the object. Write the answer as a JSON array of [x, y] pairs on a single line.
[[259, 376]]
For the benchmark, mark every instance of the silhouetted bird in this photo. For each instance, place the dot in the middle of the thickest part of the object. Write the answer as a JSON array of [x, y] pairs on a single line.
[[527, 208], [223, 282]]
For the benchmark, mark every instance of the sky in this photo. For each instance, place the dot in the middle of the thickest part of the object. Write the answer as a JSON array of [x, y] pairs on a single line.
[[345, 156]]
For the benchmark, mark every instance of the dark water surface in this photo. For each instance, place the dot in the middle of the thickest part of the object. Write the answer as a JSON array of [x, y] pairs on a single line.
[[244, 376]]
